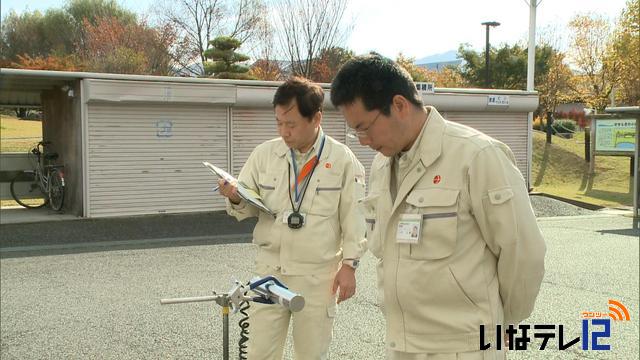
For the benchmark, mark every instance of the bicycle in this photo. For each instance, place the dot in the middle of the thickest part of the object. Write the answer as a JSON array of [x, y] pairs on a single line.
[[46, 181]]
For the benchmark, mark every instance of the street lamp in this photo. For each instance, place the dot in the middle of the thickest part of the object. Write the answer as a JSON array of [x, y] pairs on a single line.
[[488, 24]]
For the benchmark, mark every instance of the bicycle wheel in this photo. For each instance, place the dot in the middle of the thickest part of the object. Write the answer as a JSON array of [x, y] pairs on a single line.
[[27, 192], [56, 190]]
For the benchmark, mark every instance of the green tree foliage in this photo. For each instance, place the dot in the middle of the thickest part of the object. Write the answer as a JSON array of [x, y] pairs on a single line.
[[507, 66], [87, 35], [224, 58], [57, 32], [93, 10], [35, 34], [60, 32]]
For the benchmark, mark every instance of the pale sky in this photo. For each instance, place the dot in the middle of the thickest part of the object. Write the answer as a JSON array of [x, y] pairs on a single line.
[[420, 28]]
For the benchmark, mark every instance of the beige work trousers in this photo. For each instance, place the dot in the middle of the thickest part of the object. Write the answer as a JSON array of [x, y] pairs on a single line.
[[311, 327], [490, 354]]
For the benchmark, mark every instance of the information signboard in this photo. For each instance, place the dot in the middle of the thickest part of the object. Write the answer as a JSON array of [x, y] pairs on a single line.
[[615, 136]]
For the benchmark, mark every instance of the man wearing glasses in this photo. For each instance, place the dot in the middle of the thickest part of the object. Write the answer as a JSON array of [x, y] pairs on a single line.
[[478, 257], [314, 244]]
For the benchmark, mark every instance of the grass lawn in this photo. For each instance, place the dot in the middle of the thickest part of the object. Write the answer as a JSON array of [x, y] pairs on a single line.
[[559, 169], [18, 135]]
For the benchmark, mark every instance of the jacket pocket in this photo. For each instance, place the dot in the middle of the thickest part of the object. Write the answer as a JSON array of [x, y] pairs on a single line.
[[368, 207], [501, 215], [324, 192], [267, 187], [439, 210]]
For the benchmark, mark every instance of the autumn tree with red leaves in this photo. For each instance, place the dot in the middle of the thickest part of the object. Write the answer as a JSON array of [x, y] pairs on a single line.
[[128, 48], [329, 62], [50, 62]]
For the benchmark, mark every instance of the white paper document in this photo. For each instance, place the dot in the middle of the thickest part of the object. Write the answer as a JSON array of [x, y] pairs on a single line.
[[245, 193]]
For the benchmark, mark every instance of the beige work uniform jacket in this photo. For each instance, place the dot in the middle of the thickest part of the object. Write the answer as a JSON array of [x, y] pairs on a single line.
[[334, 226], [480, 256]]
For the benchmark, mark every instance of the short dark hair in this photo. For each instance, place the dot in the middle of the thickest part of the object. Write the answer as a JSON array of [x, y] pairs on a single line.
[[309, 96], [375, 80]]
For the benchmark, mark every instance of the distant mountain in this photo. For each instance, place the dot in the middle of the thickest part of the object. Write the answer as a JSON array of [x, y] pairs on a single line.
[[438, 58]]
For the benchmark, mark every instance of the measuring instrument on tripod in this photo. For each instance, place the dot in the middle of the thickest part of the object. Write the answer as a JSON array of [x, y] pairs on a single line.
[[266, 290]]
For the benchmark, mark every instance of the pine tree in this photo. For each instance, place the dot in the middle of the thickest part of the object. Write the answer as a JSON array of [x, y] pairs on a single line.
[[223, 59]]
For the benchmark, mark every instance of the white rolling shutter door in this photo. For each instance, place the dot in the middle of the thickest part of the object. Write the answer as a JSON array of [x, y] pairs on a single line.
[[510, 128], [147, 159], [251, 127], [364, 153], [333, 125]]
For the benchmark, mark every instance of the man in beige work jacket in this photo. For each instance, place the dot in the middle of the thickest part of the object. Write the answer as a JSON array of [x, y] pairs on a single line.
[[314, 244], [478, 258]]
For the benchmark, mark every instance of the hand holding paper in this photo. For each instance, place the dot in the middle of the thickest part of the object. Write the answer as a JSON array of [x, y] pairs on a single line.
[[242, 191], [230, 190]]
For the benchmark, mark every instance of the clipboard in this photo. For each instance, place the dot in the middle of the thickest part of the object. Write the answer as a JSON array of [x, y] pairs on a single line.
[[245, 193]]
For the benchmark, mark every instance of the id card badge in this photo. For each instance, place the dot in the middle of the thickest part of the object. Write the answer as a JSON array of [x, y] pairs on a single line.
[[408, 231]]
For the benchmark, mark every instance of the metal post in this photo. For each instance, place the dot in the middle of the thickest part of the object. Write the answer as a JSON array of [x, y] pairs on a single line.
[[486, 59], [487, 24], [225, 332], [592, 155], [531, 51], [636, 183], [587, 144], [531, 59]]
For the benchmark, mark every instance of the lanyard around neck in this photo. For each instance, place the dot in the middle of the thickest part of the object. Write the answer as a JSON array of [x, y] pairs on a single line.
[[308, 169]]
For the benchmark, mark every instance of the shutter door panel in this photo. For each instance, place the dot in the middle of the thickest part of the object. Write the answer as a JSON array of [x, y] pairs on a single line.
[[333, 125], [336, 126], [364, 153], [510, 128], [137, 166], [251, 127]]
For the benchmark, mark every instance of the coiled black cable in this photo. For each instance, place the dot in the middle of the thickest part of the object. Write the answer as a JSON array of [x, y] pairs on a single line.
[[244, 330]]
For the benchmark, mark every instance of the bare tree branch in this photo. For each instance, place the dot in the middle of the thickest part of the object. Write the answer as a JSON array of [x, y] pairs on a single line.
[[306, 27], [199, 21]]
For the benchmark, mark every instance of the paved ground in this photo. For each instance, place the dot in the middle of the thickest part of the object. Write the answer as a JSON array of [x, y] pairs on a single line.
[[72, 301]]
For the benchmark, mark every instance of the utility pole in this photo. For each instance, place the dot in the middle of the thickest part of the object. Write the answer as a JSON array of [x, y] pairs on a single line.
[[488, 24], [531, 61]]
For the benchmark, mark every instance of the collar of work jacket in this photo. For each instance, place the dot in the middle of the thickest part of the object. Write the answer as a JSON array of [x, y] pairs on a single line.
[[429, 144]]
